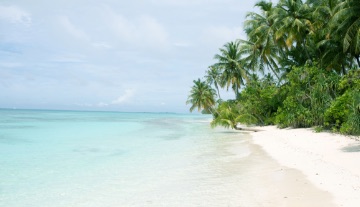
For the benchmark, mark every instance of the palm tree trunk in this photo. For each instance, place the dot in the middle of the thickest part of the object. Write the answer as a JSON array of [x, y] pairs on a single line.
[[343, 69], [272, 69], [306, 51], [236, 91], [358, 60], [218, 92], [217, 88], [211, 111]]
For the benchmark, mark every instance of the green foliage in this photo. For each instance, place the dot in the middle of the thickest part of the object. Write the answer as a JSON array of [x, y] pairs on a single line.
[[338, 112], [309, 92], [285, 39], [259, 101], [230, 63], [318, 129], [350, 81], [344, 113], [226, 115], [352, 125], [202, 96]]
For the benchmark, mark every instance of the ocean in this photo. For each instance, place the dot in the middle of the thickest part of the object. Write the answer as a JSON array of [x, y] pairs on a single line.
[[95, 159]]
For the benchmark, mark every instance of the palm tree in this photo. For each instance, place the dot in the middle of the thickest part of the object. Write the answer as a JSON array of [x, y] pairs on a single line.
[[332, 58], [231, 66], [213, 77], [226, 115], [292, 22], [327, 44], [347, 21], [257, 56], [202, 96], [261, 48], [260, 27]]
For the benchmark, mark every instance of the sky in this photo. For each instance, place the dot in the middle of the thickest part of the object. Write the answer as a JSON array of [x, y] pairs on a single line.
[[116, 55]]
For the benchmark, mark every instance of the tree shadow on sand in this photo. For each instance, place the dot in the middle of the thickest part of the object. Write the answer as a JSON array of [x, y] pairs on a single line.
[[351, 148]]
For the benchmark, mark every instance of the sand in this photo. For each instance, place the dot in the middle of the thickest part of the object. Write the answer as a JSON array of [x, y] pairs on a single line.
[[331, 162]]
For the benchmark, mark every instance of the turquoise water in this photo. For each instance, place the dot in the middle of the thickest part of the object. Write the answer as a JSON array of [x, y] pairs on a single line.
[[67, 158]]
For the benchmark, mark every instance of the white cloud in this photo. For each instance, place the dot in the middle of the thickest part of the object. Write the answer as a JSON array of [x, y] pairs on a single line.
[[102, 104], [129, 93], [84, 104], [186, 2], [69, 58], [72, 29], [101, 45], [222, 34], [143, 30], [181, 44], [14, 14]]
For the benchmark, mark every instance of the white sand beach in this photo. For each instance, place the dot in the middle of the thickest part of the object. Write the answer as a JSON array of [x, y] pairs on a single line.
[[331, 162]]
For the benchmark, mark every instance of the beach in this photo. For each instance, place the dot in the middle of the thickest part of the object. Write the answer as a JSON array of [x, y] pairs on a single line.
[[329, 161]]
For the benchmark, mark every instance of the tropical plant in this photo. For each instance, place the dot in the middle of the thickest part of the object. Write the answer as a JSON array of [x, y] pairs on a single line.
[[309, 92], [256, 57], [328, 44], [232, 69], [202, 96], [226, 115], [260, 50], [213, 78], [259, 101], [312, 47], [344, 113], [293, 24], [347, 21]]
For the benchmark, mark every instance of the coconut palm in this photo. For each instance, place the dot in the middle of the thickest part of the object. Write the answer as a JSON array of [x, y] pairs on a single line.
[[292, 22], [226, 115], [202, 96], [232, 71], [213, 77], [347, 24], [256, 56], [261, 50], [259, 27], [327, 44]]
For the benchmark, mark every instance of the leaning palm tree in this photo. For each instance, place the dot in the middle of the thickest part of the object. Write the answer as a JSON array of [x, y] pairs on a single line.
[[213, 77], [202, 96], [226, 115], [229, 61]]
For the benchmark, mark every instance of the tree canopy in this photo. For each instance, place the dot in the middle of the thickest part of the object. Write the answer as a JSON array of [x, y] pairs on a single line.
[[311, 47]]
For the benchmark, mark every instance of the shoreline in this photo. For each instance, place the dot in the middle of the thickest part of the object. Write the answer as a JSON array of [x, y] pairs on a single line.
[[331, 162]]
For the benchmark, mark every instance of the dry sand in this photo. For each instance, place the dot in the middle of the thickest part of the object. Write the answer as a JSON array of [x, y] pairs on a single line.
[[330, 162]]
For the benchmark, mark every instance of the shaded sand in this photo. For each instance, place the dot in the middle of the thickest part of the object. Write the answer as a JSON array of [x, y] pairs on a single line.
[[330, 162]]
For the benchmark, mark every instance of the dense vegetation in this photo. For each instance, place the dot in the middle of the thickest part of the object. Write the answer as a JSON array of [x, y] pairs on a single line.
[[298, 67]]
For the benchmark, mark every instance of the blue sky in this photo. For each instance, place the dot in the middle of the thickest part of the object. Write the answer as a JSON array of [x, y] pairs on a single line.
[[112, 54]]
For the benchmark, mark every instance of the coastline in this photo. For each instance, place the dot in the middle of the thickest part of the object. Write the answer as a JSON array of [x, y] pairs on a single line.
[[329, 161]]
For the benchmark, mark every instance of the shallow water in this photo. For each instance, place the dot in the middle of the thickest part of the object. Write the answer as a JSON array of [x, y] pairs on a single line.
[[67, 158]]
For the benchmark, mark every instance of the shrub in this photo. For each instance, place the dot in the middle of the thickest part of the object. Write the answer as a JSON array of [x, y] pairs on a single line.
[[258, 101], [343, 115], [309, 92]]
